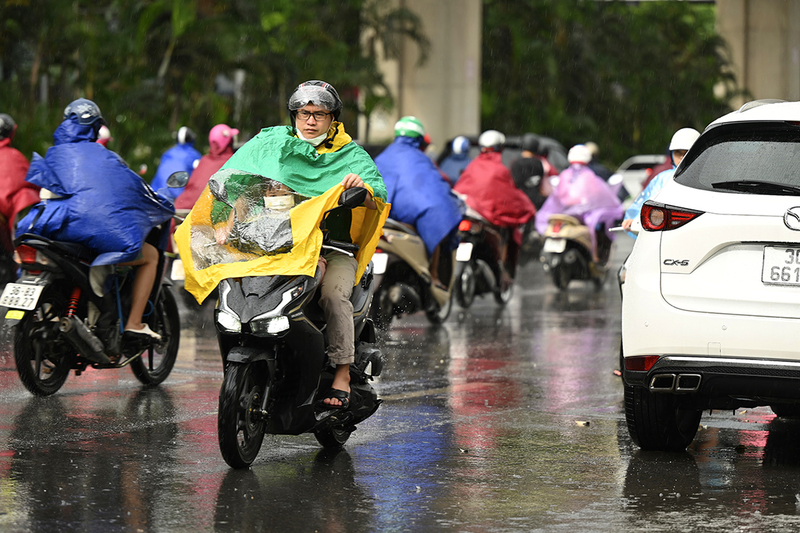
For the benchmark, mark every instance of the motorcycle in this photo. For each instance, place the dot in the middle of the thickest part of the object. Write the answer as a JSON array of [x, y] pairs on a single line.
[[66, 314], [480, 266], [567, 252], [403, 279], [273, 341]]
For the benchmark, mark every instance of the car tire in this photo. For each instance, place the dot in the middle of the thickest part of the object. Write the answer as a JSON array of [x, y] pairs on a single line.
[[656, 422]]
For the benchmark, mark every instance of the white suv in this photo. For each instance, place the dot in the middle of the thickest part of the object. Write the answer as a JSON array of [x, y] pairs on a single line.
[[711, 303]]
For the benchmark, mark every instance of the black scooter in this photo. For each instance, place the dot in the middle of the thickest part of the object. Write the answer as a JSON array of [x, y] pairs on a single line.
[[479, 267], [65, 316], [272, 336]]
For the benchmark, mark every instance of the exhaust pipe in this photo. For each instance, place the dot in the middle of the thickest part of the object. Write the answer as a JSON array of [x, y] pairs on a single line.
[[83, 340], [675, 383]]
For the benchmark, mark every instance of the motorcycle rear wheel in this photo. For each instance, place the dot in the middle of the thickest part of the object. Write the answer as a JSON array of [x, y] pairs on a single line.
[[239, 431], [43, 358], [161, 358], [561, 277], [381, 311], [465, 286], [332, 438]]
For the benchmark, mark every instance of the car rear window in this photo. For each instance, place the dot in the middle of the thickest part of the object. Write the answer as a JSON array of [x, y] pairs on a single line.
[[764, 152]]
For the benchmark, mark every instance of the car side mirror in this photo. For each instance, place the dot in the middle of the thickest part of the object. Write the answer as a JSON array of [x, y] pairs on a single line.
[[354, 197], [178, 179]]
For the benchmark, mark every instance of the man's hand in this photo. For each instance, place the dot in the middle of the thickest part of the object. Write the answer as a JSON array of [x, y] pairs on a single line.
[[626, 224], [354, 180]]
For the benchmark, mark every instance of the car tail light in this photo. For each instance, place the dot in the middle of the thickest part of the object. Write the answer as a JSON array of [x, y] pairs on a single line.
[[660, 217], [465, 225], [641, 363]]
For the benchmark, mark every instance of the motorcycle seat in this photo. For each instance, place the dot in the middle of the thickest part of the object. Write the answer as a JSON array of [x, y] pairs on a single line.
[[70, 249], [399, 226]]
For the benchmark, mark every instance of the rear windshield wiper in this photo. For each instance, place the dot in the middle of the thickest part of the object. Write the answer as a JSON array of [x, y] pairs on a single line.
[[758, 187]]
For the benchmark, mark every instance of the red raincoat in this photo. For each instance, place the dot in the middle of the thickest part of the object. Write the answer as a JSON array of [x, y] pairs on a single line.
[[490, 190], [15, 193]]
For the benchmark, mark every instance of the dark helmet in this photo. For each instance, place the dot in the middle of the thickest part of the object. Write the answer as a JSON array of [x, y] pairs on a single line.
[[315, 92], [86, 112], [7, 126], [185, 135], [530, 143]]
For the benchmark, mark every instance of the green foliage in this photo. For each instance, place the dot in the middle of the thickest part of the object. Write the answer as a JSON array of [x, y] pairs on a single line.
[[624, 76], [155, 65]]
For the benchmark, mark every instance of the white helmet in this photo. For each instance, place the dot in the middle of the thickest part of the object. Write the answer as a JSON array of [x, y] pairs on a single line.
[[492, 139], [579, 154], [683, 139]]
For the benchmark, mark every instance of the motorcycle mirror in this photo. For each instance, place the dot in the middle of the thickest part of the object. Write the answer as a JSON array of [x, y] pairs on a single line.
[[352, 198], [178, 179]]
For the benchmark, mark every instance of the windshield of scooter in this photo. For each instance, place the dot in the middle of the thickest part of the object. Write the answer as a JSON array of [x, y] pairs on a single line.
[[241, 217]]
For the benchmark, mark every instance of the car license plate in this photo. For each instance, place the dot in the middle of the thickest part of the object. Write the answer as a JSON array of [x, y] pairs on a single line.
[[464, 252], [19, 296], [554, 246], [379, 262], [781, 266]]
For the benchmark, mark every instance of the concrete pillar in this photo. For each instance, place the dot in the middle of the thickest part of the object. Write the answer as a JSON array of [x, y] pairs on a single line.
[[764, 42], [445, 92]]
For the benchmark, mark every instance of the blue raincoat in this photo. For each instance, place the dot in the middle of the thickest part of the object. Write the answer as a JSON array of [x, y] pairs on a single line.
[[418, 193], [179, 157], [103, 205]]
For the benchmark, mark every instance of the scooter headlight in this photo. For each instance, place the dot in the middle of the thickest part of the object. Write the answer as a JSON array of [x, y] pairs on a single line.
[[229, 322], [270, 326]]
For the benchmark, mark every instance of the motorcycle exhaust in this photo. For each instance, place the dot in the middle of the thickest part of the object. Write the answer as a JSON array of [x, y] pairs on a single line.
[[83, 340]]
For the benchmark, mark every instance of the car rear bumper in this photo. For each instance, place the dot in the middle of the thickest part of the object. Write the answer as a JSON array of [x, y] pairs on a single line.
[[721, 382]]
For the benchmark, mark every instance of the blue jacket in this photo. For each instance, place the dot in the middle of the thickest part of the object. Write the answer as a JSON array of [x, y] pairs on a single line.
[[179, 157], [418, 193], [103, 205], [454, 164]]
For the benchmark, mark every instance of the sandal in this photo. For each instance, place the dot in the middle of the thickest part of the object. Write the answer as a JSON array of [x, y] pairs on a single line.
[[340, 395]]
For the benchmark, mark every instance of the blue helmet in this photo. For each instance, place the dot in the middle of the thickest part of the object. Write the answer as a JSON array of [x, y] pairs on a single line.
[[85, 111]]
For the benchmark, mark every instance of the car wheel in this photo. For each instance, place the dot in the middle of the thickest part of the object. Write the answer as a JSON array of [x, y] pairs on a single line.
[[786, 410], [656, 422]]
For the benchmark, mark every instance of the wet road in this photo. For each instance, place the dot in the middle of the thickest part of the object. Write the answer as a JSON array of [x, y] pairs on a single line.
[[501, 420]]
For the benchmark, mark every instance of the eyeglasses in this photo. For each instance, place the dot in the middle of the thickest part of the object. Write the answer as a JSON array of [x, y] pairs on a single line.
[[305, 115]]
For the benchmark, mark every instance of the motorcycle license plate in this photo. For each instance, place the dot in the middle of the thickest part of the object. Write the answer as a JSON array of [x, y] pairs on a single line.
[[379, 261], [781, 266], [20, 296], [464, 251], [554, 246]]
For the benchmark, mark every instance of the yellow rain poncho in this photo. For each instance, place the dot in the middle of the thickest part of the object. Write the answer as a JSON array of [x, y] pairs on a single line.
[[260, 214]]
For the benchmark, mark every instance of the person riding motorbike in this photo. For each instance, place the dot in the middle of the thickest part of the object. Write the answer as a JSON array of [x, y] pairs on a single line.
[[220, 149], [681, 142], [419, 195], [182, 156], [457, 160], [584, 195], [489, 189], [90, 197], [528, 172], [17, 194], [311, 158]]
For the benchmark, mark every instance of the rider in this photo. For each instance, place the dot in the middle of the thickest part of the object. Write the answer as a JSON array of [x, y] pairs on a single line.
[[93, 198], [584, 195], [183, 156], [528, 171], [490, 190], [418, 193], [220, 149], [17, 194], [312, 157], [682, 140], [458, 159]]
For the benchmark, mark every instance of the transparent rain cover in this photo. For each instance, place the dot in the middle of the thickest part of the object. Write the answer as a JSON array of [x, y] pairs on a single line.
[[249, 217]]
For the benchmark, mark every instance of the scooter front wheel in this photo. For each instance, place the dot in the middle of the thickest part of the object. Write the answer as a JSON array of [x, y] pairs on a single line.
[[240, 426]]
